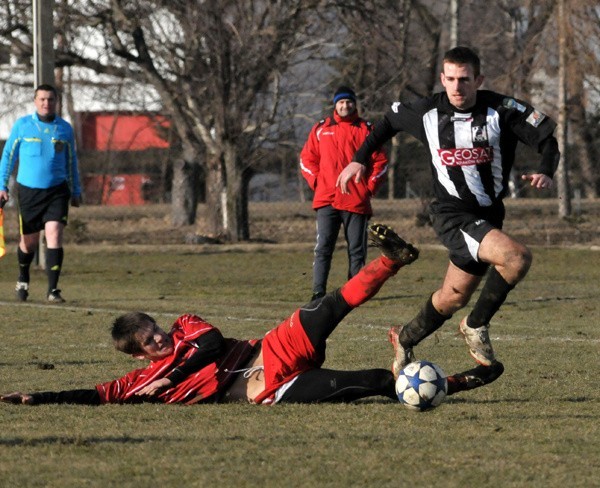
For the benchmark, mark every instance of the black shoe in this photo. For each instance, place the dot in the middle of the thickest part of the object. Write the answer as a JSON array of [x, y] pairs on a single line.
[[22, 291], [474, 378], [392, 246], [54, 296], [318, 294]]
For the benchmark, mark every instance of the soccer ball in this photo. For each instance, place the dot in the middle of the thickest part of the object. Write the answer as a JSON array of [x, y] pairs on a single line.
[[421, 386]]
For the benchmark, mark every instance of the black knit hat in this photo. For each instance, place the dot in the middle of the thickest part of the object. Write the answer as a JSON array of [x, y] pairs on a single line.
[[344, 93]]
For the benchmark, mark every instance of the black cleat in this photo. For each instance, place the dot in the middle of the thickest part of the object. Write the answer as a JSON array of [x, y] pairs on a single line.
[[474, 378], [392, 246]]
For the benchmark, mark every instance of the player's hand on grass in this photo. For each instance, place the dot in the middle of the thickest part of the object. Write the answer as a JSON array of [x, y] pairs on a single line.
[[17, 397], [538, 180], [155, 387]]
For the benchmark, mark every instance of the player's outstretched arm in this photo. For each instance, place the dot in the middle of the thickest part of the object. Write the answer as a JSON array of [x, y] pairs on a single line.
[[17, 398]]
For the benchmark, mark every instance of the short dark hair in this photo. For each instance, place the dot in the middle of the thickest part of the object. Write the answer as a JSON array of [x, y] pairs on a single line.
[[45, 87], [464, 55], [125, 328]]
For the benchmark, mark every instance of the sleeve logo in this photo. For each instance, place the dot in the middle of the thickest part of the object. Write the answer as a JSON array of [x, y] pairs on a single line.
[[535, 118], [512, 103]]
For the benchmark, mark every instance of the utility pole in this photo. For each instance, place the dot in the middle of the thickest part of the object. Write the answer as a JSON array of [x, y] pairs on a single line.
[[562, 173], [453, 23], [43, 69]]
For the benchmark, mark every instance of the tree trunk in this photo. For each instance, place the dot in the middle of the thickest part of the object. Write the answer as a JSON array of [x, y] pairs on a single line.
[[215, 191], [392, 165], [184, 199], [238, 180], [583, 143]]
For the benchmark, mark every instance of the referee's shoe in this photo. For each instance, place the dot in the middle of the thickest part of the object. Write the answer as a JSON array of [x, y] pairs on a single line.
[[22, 291], [54, 296]]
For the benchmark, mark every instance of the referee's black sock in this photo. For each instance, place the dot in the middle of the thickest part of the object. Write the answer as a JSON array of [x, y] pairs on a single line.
[[427, 321], [493, 294], [25, 259], [54, 259]]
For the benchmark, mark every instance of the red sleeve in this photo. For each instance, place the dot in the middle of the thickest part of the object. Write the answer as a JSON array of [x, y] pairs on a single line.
[[116, 391], [189, 327], [310, 158]]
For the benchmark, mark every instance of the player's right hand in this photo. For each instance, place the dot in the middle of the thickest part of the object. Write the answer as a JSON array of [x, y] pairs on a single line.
[[3, 198], [155, 387], [353, 170], [17, 397]]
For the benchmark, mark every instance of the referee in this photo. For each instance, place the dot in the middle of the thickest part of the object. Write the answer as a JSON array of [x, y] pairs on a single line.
[[47, 178]]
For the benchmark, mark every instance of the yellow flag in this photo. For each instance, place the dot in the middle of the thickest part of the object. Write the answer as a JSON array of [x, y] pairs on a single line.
[[2, 247]]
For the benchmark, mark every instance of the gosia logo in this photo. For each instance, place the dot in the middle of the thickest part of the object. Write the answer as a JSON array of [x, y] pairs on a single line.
[[466, 156]]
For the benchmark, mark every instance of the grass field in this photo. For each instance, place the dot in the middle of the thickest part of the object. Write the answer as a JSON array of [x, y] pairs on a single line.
[[538, 425]]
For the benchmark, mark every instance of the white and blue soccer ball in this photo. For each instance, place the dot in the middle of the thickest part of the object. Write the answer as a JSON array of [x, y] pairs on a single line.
[[421, 386]]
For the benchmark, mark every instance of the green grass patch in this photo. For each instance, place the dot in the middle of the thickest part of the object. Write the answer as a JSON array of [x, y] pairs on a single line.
[[538, 425]]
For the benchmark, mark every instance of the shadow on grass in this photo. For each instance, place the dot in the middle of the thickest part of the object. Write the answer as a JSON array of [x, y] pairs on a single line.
[[80, 441], [46, 365]]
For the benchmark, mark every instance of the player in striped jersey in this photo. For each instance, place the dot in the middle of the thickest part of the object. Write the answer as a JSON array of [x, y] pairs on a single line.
[[472, 136]]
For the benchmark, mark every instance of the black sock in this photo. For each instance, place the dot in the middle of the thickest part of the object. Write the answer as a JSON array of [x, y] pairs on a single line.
[[328, 385], [427, 321], [493, 294], [54, 259], [25, 259]]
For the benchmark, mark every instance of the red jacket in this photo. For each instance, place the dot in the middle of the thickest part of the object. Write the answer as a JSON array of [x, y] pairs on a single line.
[[330, 147], [208, 381]]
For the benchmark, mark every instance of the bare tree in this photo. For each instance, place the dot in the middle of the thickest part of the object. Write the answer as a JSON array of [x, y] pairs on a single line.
[[214, 66]]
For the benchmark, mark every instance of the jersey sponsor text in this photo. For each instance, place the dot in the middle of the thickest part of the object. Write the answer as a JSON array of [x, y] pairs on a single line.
[[466, 156]]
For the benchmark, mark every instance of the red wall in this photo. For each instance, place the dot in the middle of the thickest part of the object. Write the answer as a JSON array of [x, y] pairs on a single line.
[[105, 131], [136, 189]]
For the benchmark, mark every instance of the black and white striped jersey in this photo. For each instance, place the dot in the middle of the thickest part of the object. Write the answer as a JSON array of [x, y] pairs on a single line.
[[472, 152]]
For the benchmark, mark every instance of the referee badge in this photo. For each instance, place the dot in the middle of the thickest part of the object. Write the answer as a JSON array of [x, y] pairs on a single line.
[[58, 145]]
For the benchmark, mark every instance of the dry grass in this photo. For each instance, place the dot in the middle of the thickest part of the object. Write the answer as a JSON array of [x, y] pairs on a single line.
[[533, 221]]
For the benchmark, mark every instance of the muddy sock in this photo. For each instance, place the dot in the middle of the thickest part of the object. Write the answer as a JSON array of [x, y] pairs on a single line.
[[493, 294], [427, 321]]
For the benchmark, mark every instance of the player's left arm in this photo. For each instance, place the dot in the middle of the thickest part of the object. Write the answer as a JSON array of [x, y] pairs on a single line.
[[73, 169], [548, 148], [209, 347], [81, 397]]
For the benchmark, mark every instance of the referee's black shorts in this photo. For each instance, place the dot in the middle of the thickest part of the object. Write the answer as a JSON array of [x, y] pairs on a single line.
[[40, 205], [462, 232]]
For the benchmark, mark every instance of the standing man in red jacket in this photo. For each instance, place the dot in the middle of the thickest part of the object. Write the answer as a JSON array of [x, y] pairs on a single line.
[[331, 145]]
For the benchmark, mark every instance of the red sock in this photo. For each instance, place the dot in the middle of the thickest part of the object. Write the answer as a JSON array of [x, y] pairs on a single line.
[[367, 282]]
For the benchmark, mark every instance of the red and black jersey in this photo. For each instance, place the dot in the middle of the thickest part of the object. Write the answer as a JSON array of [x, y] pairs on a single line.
[[472, 151], [330, 147], [203, 384]]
